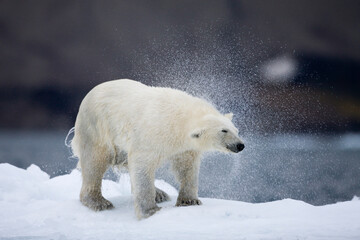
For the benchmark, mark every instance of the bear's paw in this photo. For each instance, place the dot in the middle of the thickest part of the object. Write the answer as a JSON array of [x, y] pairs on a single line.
[[149, 212], [97, 203], [187, 202], [161, 196]]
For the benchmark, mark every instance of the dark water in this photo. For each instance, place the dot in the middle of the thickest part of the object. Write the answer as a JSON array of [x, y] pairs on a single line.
[[316, 169]]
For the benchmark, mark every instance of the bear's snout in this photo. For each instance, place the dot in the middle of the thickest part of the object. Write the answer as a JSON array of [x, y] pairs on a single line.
[[236, 147]]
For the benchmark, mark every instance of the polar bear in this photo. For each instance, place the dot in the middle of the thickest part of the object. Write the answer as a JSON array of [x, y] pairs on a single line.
[[128, 124]]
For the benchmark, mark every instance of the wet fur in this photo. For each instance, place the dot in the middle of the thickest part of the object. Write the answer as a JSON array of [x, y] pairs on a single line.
[[125, 123]]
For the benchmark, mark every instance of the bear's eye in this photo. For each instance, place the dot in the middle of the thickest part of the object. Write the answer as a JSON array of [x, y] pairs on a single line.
[[195, 135], [224, 131]]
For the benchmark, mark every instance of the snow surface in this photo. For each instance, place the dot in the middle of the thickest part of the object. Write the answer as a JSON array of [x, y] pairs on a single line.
[[33, 206]]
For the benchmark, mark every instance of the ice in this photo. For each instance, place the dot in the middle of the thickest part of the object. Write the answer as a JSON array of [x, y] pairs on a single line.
[[34, 206], [350, 141]]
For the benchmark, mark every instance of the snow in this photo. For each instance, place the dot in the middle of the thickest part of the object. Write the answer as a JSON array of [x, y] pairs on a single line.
[[33, 206]]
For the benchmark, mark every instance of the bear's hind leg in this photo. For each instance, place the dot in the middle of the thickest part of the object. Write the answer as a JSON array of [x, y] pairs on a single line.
[[161, 196], [93, 164], [142, 178]]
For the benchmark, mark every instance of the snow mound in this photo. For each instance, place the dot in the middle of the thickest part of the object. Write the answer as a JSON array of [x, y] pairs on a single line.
[[33, 206]]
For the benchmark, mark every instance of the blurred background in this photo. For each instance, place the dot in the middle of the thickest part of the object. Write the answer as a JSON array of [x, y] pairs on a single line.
[[289, 70]]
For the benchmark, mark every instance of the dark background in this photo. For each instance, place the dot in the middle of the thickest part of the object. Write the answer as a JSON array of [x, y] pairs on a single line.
[[285, 68], [53, 52]]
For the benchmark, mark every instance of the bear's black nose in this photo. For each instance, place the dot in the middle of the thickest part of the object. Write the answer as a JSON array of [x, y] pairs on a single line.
[[240, 146], [236, 147]]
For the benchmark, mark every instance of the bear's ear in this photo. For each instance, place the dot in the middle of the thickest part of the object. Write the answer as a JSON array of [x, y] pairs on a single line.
[[229, 116], [197, 133]]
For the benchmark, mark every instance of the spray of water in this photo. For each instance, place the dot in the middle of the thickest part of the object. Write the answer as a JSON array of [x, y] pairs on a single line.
[[227, 76], [68, 140], [220, 74]]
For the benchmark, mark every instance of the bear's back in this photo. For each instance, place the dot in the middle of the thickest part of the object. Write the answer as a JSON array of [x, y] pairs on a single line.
[[128, 94]]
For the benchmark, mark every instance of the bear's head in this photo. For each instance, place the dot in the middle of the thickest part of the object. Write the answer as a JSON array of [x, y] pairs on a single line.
[[216, 132]]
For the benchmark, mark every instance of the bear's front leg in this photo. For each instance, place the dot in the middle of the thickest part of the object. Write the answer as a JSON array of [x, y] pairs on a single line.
[[186, 169], [142, 184]]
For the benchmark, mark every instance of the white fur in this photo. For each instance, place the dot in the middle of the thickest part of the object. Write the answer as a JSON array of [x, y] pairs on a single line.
[[128, 123]]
